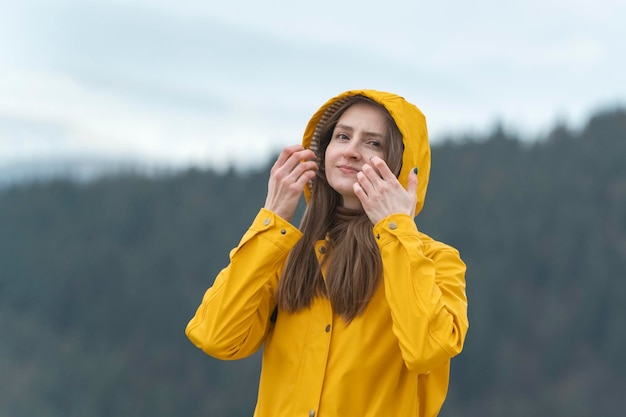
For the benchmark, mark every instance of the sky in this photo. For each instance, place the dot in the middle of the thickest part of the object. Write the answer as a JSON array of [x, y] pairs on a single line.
[[229, 83]]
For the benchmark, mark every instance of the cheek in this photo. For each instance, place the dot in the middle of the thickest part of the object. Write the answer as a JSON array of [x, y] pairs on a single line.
[[375, 152], [329, 156], [325, 162]]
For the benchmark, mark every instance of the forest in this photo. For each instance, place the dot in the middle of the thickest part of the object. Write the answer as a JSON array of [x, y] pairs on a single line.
[[98, 280]]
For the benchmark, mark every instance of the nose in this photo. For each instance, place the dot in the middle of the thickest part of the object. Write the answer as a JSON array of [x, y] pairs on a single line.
[[352, 150]]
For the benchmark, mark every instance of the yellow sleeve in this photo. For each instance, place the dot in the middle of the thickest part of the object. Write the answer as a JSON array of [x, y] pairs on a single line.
[[425, 289], [233, 318]]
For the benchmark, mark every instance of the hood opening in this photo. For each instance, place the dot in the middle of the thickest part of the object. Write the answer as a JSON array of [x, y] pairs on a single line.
[[409, 120]]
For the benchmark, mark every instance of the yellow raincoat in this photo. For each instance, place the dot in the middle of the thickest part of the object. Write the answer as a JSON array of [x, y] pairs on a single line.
[[393, 360]]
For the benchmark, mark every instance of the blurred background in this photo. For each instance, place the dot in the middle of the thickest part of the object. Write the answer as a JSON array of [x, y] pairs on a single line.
[[135, 142]]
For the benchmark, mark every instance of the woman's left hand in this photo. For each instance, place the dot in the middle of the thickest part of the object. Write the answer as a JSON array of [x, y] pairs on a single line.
[[380, 192]]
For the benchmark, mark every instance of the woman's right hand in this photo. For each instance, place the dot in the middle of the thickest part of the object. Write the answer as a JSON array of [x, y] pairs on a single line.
[[291, 172]]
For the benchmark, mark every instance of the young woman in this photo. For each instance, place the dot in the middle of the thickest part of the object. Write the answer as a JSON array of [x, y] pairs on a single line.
[[358, 311]]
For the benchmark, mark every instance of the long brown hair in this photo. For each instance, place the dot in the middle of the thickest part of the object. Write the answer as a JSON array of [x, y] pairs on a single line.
[[353, 265]]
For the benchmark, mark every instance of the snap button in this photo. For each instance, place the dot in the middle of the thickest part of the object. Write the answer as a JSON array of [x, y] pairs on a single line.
[[393, 225], [322, 249], [283, 231], [266, 222], [328, 328], [312, 413]]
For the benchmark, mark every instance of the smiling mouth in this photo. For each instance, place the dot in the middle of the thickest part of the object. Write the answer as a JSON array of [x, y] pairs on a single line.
[[348, 169]]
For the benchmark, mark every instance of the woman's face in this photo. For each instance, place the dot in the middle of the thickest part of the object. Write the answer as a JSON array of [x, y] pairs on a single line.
[[358, 136]]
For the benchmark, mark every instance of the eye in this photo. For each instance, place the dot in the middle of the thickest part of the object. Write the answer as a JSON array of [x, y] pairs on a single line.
[[375, 143], [341, 136]]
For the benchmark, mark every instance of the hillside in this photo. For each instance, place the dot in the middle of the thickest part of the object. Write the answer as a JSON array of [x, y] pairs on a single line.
[[98, 280]]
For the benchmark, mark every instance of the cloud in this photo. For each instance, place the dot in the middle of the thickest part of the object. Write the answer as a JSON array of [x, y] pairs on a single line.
[[172, 90], [213, 84]]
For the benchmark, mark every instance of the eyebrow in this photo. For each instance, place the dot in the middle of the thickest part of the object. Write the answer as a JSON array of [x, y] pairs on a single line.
[[346, 127]]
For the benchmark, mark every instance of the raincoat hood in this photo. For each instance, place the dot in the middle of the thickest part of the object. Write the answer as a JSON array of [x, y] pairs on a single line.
[[410, 121]]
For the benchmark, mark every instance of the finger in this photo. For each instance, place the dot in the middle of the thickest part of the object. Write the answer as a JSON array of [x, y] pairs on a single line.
[[411, 185], [305, 155], [285, 154], [298, 157], [411, 188], [304, 178], [364, 181], [371, 174], [382, 169], [360, 194], [307, 168]]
